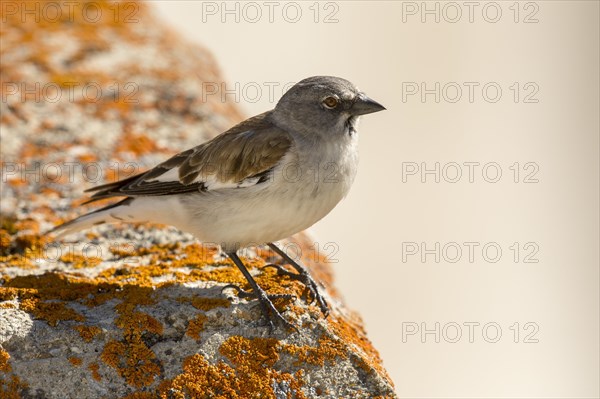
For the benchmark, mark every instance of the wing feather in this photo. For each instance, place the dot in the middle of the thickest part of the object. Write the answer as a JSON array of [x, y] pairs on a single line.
[[240, 157]]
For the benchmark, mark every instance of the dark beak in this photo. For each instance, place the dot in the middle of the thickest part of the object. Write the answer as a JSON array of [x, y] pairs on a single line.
[[364, 105]]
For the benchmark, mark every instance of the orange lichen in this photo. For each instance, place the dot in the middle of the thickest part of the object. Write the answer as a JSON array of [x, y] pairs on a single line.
[[87, 158], [17, 260], [138, 322], [140, 395], [351, 330], [328, 349], [207, 304], [11, 388], [8, 294], [78, 261], [137, 144], [29, 242], [16, 182], [5, 241], [94, 369], [7, 224], [195, 326], [88, 332], [132, 359], [54, 286], [254, 360], [251, 377], [200, 379], [27, 224], [4, 365], [75, 361], [52, 312]]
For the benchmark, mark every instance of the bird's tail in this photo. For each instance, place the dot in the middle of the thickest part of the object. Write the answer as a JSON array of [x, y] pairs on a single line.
[[95, 218]]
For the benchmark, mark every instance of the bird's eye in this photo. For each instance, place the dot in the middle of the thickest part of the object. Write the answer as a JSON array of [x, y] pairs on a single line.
[[330, 102]]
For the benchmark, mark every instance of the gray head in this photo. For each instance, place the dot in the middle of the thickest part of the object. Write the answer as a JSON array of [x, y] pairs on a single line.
[[324, 105]]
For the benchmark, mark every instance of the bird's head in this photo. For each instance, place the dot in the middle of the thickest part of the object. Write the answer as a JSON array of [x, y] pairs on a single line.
[[323, 105]]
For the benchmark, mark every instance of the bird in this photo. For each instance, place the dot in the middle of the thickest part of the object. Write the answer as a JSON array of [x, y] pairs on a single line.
[[263, 180]]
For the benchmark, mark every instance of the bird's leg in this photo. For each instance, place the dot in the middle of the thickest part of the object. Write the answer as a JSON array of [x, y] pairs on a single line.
[[303, 275], [267, 307]]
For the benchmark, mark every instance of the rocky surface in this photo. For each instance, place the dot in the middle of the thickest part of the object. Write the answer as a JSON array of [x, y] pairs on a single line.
[[137, 311]]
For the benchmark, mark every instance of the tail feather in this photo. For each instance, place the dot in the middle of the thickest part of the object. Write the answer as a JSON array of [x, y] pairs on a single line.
[[86, 221]]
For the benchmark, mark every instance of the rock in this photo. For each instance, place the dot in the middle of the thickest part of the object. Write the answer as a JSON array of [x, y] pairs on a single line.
[[138, 311]]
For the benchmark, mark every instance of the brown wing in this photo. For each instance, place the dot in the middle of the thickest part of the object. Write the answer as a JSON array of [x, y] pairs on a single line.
[[241, 156]]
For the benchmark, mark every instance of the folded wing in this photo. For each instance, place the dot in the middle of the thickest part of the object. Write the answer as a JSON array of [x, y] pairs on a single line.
[[241, 157]]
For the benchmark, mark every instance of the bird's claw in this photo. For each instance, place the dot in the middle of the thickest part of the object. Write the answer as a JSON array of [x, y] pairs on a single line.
[[240, 292], [309, 283], [267, 307]]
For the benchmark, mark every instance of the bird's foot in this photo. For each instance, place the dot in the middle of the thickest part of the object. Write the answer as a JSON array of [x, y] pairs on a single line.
[[311, 286]]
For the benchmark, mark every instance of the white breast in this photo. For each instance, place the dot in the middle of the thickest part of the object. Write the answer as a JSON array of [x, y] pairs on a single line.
[[305, 187]]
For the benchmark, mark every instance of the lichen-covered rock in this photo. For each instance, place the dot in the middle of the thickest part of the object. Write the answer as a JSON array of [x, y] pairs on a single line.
[[137, 311]]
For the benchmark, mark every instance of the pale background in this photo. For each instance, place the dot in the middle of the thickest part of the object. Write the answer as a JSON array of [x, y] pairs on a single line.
[[372, 46]]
